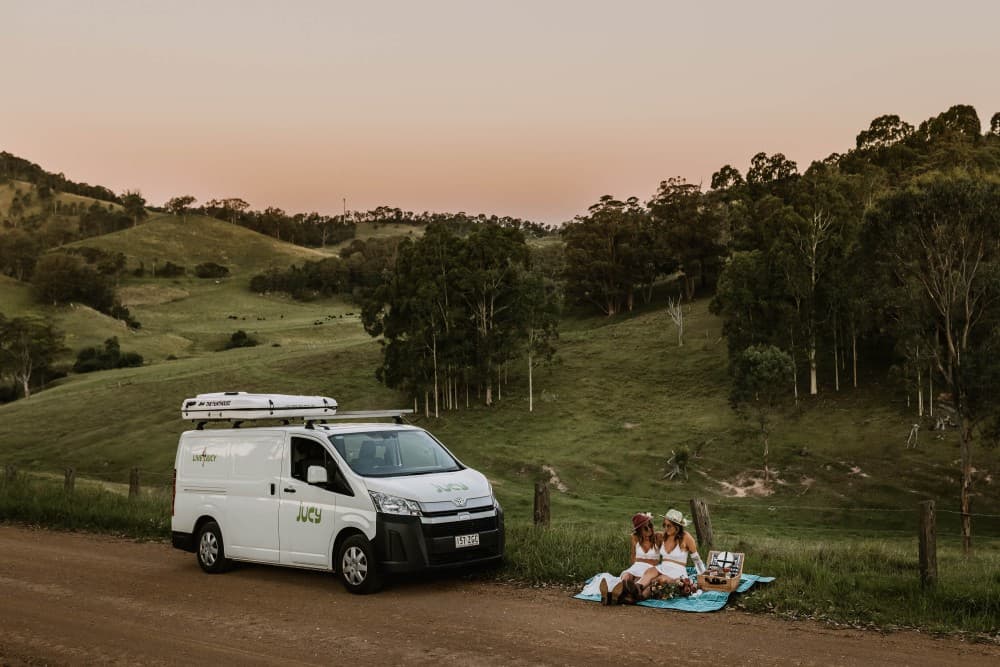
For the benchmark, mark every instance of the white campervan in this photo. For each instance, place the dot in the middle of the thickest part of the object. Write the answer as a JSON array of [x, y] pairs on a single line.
[[360, 499]]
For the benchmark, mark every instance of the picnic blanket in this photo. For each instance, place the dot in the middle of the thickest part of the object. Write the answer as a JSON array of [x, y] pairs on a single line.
[[701, 602]]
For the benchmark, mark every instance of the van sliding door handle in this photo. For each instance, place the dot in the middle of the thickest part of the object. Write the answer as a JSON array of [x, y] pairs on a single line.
[[288, 489]]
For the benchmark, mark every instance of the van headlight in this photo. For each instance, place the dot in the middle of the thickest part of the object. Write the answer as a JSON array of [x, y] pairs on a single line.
[[387, 504]]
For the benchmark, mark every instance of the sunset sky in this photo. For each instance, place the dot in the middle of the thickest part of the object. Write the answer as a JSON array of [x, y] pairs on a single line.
[[528, 109]]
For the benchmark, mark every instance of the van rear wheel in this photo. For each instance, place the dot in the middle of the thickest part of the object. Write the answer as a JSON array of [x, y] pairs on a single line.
[[211, 551], [356, 566]]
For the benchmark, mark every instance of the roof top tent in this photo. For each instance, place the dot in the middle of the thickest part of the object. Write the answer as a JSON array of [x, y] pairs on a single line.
[[240, 406]]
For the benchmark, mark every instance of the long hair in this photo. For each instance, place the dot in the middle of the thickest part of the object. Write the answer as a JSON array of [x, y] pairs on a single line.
[[678, 536], [640, 539]]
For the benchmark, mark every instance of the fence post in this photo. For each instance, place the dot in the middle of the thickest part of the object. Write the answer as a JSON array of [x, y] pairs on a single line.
[[133, 483], [9, 473], [541, 504], [70, 479], [702, 523], [928, 545]]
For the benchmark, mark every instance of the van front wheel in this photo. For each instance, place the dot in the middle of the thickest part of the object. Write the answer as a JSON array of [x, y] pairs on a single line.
[[356, 565], [211, 551]]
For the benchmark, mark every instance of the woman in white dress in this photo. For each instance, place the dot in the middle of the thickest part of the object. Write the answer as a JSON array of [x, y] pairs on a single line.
[[645, 556], [675, 547]]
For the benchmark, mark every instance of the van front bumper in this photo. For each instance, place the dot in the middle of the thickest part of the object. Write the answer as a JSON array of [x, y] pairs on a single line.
[[406, 544]]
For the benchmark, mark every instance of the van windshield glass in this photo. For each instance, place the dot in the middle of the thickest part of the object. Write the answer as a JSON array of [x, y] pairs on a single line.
[[393, 453]]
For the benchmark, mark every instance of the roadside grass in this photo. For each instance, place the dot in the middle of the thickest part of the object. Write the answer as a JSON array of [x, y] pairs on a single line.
[[91, 507]]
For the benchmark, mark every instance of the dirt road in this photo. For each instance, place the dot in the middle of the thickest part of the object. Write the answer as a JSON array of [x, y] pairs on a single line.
[[84, 599]]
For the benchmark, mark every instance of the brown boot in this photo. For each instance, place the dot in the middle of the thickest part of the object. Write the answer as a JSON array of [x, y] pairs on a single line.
[[615, 595], [605, 600]]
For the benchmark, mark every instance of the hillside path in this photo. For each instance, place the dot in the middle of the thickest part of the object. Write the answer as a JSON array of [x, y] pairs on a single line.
[[70, 598]]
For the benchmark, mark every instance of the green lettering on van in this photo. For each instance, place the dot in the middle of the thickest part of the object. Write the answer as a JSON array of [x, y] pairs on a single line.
[[454, 486], [204, 458], [309, 514]]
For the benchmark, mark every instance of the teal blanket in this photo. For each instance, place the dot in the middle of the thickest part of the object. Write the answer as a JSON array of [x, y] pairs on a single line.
[[704, 601]]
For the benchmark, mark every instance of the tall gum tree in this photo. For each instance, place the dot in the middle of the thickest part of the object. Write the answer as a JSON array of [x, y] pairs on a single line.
[[940, 240]]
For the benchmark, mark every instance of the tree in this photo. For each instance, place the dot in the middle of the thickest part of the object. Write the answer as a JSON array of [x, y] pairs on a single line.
[[19, 252], [939, 243], [883, 132], [761, 374], [27, 347], [606, 258], [540, 304], [61, 278], [135, 206], [180, 205], [687, 230]]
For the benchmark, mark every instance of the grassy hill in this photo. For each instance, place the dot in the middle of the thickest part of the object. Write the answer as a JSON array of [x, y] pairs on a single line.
[[196, 240], [621, 398]]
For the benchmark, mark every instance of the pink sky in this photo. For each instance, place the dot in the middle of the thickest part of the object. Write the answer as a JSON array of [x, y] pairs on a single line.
[[529, 109]]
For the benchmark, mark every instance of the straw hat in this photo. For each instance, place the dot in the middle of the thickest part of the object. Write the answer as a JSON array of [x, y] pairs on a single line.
[[675, 516]]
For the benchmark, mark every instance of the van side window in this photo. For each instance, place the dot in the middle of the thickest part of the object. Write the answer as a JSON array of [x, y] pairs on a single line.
[[307, 452]]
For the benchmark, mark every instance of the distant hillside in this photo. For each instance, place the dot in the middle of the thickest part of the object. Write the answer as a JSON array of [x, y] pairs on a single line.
[[196, 240], [16, 168]]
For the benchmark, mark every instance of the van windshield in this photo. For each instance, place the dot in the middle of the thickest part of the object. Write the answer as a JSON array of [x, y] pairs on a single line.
[[393, 453]]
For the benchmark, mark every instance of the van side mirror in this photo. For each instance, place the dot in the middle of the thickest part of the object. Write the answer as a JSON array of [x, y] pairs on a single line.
[[316, 475]]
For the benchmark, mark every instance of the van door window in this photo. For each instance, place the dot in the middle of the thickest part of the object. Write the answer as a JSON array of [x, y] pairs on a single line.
[[307, 452]]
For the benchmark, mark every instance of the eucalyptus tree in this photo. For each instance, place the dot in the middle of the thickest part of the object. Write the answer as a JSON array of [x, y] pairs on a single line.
[[180, 205], [689, 233], [135, 206], [490, 267], [28, 346], [606, 258], [760, 379], [939, 243]]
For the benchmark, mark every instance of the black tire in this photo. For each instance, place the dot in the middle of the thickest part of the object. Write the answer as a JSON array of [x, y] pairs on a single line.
[[210, 550], [357, 567]]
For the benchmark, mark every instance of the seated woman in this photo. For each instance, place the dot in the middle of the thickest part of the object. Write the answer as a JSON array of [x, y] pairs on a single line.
[[676, 545], [644, 557]]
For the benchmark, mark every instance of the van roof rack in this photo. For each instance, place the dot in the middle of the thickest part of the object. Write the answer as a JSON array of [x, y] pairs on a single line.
[[240, 406]]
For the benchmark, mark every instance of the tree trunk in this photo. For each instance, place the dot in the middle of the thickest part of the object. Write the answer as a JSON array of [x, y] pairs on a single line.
[[854, 355], [767, 470], [930, 391], [966, 485], [489, 392], [435, 352], [813, 389], [499, 379], [920, 394], [836, 365], [531, 395], [427, 405]]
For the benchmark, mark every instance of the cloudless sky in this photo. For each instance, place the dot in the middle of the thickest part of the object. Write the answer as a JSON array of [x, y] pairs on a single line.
[[531, 109]]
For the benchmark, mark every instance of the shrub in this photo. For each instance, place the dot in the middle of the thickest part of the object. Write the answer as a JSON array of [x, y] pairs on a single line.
[[240, 339], [170, 270], [91, 359], [211, 270]]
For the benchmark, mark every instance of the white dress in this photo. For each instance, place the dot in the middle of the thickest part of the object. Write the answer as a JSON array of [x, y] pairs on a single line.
[[674, 563], [636, 569]]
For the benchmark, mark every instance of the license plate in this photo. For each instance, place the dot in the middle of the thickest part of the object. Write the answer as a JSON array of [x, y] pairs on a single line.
[[466, 540]]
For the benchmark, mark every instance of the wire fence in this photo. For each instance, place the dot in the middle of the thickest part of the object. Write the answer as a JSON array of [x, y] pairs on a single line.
[[727, 515]]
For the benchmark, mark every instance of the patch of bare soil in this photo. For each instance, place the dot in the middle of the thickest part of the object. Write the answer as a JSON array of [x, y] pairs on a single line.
[[83, 599]]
